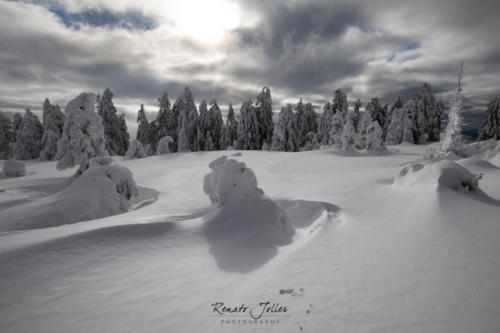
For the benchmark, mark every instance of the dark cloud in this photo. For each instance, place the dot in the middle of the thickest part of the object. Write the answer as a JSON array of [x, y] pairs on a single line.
[[299, 48]]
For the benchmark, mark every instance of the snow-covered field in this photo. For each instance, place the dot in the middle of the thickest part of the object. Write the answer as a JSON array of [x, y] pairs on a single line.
[[368, 254]]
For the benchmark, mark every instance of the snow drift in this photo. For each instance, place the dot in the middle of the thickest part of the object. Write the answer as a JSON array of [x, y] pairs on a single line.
[[104, 189], [443, 174], [249, 226]]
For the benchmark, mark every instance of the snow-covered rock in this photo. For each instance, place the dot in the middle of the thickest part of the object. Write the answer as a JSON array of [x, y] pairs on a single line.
[[14, 168]]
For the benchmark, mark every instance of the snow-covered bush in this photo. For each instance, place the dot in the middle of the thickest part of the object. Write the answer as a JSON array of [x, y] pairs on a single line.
[[164, 145], [135, 150], [83, 134], [14, 168], [232, 186], [104, 189]]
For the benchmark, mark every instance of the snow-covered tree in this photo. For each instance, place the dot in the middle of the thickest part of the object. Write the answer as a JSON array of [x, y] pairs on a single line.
[[490, 129], [182, 134], [248, 128], [53, 118], [166, 122], [332, 121], [374, 140], [340, 102], [6, 137], [348, 133], [115, 130], [287, 134], [209, 142], [452, 141], [53, 122], [364, 123], [264, 109], [184, 104], [400, 127], [232, 126], [426, 115], [376, 111], [203, 124], [336, 129], [216, 124], [143, 128], [279, 141], [28, 137], [165, 145], [325, 123], [83, 134], [356, 116], [306, 122], [135, 150]]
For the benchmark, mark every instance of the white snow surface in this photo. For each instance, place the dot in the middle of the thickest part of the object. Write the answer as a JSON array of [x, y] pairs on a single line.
[[368, 253], [104, 189]]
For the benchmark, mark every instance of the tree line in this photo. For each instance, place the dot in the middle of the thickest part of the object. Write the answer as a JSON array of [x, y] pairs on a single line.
[[184, 127]]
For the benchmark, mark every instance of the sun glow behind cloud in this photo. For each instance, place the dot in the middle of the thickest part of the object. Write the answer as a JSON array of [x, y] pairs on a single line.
[[206, 22]]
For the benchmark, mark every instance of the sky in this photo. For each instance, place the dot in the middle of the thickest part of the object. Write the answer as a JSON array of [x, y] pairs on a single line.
[[230, 49]]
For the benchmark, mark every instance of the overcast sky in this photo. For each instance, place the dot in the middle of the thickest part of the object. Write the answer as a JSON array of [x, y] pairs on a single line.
[[230, 49]]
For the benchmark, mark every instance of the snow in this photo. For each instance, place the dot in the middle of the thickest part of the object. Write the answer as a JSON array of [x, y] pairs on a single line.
[[104, 189], [367, 255]]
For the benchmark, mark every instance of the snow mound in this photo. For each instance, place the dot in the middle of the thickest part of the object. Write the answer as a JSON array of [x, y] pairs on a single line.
[[104, 189], [249, 226], [135, 150], [444, 174], [14, 168]]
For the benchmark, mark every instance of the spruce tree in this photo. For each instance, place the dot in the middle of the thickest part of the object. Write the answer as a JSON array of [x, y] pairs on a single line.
[[232, 127], [184, 104], [453, 141], [143, 128], [264, 109], [115, 128], [248, 128], [28, 137], [490, 129], [6, 137], [216, 124], [53, 122]]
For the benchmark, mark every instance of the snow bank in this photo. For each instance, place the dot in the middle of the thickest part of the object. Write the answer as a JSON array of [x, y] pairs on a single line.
[[14, 168], [249, 226], [444, 174], [104, 189]]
